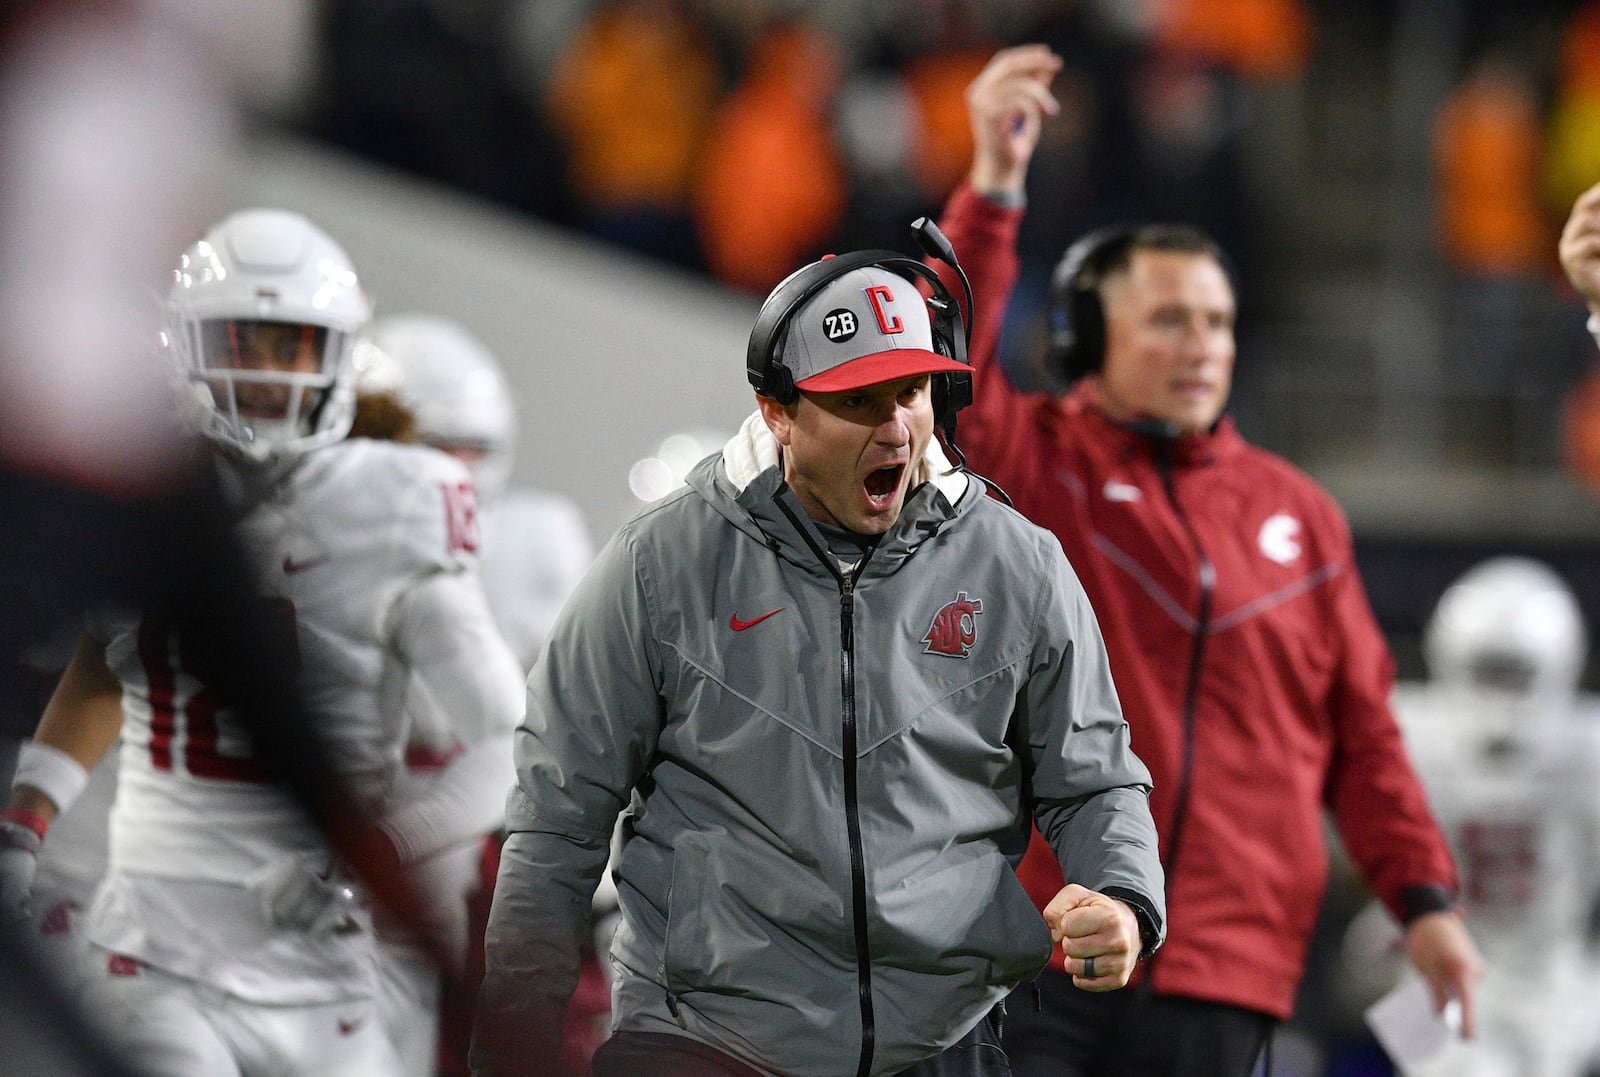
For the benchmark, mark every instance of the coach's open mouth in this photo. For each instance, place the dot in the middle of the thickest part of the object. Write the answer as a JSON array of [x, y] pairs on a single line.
[[880, 485]]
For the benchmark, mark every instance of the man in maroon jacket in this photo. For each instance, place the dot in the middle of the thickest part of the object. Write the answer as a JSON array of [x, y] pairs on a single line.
[[1254, 677]]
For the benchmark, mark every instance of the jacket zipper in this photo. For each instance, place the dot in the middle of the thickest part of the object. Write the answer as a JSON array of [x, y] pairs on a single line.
[[852, 814], [1208, 581], [852, 805]]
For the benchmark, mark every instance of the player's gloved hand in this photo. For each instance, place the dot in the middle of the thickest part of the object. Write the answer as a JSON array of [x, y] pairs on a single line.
[[295, 894], [19, 857]]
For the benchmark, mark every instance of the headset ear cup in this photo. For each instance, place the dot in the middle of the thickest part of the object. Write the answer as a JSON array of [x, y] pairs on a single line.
[[1077, 341], [1088, 351], [951, 392], [1060, 357], [779, 384], [1077, 320], [957, 394]]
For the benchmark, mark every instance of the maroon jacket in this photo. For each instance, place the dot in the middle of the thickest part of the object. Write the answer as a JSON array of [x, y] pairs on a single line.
[[1253, 675]]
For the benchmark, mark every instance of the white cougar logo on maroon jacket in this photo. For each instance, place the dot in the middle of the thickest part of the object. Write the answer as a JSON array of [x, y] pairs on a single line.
[[954, 627]]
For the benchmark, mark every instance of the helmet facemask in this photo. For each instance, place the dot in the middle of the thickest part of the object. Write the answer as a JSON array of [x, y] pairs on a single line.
[[269, 382]]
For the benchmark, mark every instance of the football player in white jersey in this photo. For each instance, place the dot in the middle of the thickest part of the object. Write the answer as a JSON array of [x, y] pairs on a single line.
[[536, 546], [1507, 748], [224, 938]]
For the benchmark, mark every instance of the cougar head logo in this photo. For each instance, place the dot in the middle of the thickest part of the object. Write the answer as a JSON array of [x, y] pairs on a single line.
[[954, 627]]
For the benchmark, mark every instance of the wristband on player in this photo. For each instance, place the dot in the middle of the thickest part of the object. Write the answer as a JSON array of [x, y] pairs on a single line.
[[51, 771], [1420, 900], [1594, 328], [12, 823]]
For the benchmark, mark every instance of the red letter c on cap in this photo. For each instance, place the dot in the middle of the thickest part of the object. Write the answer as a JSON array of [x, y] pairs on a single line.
[[878, 295]]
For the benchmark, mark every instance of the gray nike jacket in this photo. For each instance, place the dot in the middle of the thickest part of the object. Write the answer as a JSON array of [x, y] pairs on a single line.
[[828, 775]]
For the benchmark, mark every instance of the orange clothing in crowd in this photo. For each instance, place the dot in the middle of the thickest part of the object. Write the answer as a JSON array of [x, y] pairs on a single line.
[[773, 186], [938, 84], [1488, 146], [1579, 69], [632, 96], [1258, 39]]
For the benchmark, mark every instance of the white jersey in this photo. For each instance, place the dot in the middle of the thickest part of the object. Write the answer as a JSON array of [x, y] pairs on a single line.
[[536, 547], [351, 529], [1523, 820], [1523, 824]]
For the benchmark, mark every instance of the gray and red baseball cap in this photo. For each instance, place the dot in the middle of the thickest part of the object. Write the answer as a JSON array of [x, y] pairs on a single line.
[[868, 326]]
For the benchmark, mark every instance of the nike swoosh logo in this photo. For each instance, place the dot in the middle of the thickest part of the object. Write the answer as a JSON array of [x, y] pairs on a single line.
[[348, 1027], [739, 626], [291, 566]]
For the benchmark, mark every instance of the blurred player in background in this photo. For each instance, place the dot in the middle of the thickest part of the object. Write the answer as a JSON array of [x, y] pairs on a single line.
[[1510, 754], [115, 124], [536, 544], [425, 377], [225, 938]]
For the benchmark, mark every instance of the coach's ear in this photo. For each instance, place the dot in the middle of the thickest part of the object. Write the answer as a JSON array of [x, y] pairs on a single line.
[[778, 417]]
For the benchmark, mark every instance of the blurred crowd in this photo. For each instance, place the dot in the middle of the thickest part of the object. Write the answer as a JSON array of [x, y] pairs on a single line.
[[740, 139], [737, 138], [1514, 144]]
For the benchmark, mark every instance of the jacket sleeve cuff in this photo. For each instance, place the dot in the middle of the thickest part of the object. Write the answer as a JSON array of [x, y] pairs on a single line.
[[1418, 901], [1150, 927], [1007, 199], [997, 215]]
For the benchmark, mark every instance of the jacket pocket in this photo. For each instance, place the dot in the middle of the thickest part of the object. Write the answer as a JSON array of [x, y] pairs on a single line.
[[685, 956], [1018, 922], [965, 915]]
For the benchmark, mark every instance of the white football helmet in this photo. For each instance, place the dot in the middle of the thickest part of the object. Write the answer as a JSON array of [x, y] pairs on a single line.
[[261, 321], [453, 385], [1509, 634]]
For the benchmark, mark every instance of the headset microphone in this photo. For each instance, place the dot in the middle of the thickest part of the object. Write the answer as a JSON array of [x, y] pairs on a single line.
[[937, 245], [956, 389]]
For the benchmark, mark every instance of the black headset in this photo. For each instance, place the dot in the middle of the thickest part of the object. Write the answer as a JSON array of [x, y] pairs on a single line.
[[1077, 319], [951, 392]]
